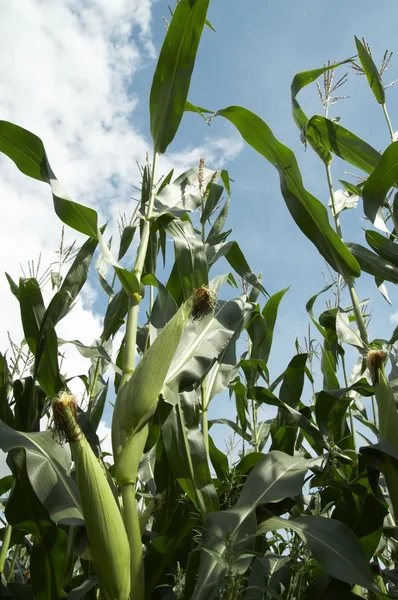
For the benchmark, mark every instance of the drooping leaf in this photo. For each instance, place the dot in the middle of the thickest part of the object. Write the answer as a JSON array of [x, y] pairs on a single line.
[[28, 153], [173, 73], [383, 246], [309, 214]]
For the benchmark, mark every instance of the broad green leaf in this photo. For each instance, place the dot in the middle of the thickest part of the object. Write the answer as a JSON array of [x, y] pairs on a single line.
[[346, 333], [293, 381], [213, 194], [329, 135], [173, 73], [46, 367], [32, 311], [376, 187], [333, 544], [125, 240], [383, 246], [234, 426], [48, 467], [29, 400], [216, 234], [218, 459], [237, 261], [203, 341], [73, 282], [374, 264], [28, 153], [371, 72], [189, 255], [274, 478], [184, 194], [115, 314], [25, 512], [164, 307], [186, 452], [309, 214], [13, 286]]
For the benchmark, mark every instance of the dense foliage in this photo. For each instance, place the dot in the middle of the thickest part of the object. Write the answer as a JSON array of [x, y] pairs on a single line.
[[306, 512]]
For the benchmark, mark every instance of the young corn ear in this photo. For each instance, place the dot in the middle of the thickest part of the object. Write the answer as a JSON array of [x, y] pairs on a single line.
[[137, 400], [388, 422], [106, 533]]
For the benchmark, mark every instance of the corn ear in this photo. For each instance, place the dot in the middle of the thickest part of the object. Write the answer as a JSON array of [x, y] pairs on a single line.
[[106, 533], [137, 400]]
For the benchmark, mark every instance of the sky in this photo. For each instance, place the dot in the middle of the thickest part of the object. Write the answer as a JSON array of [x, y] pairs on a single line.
[[78, 75]]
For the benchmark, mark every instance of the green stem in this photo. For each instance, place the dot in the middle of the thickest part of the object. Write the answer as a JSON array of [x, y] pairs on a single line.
[[374, 411], [132, 313], [205, 416], [4, 547], [132, 524], [255, 426], [352, 424], [14, 559], [390, 129]]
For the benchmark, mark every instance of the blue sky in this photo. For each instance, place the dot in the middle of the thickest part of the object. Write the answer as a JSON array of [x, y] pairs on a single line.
[[78, 74]]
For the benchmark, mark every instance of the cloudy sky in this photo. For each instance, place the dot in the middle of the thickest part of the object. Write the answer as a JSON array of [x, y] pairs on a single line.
[[78, 74]]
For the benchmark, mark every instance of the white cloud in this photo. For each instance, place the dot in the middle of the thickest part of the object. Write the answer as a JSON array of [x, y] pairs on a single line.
[[67, 75]]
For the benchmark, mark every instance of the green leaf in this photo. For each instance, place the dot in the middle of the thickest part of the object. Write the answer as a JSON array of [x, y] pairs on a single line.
[[185, 193], [6, 413], [25, 512], [73, 282], [48, 467], [371, 72], [333, 544], [125, 240], [274, 478], [347, 334], [213, 195], [190, 256], [173, 73], [32, 311], [115, 313], [374, 264], [237, 261], [218, 459], [216, 234], [202, 342], [383, 246], [293, 381], [28, 153], [309, 214], [186, 452], [329, 135], [300, 80], [376, 187], [13, 286]]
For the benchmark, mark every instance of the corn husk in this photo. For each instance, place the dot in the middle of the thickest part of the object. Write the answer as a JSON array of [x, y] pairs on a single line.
[[137, 400], [106, 533]]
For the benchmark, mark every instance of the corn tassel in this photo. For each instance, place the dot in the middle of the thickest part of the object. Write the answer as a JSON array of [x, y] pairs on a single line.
[[106, 533]]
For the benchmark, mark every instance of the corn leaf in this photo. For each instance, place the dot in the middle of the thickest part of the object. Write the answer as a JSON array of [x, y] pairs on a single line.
[[173, 73], [371, 72], [28, 153], [384, 176], [309, 214], [48, 465], [25, 512]]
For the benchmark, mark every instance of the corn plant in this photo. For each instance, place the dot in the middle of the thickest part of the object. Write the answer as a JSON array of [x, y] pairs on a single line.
[[304, 512]]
